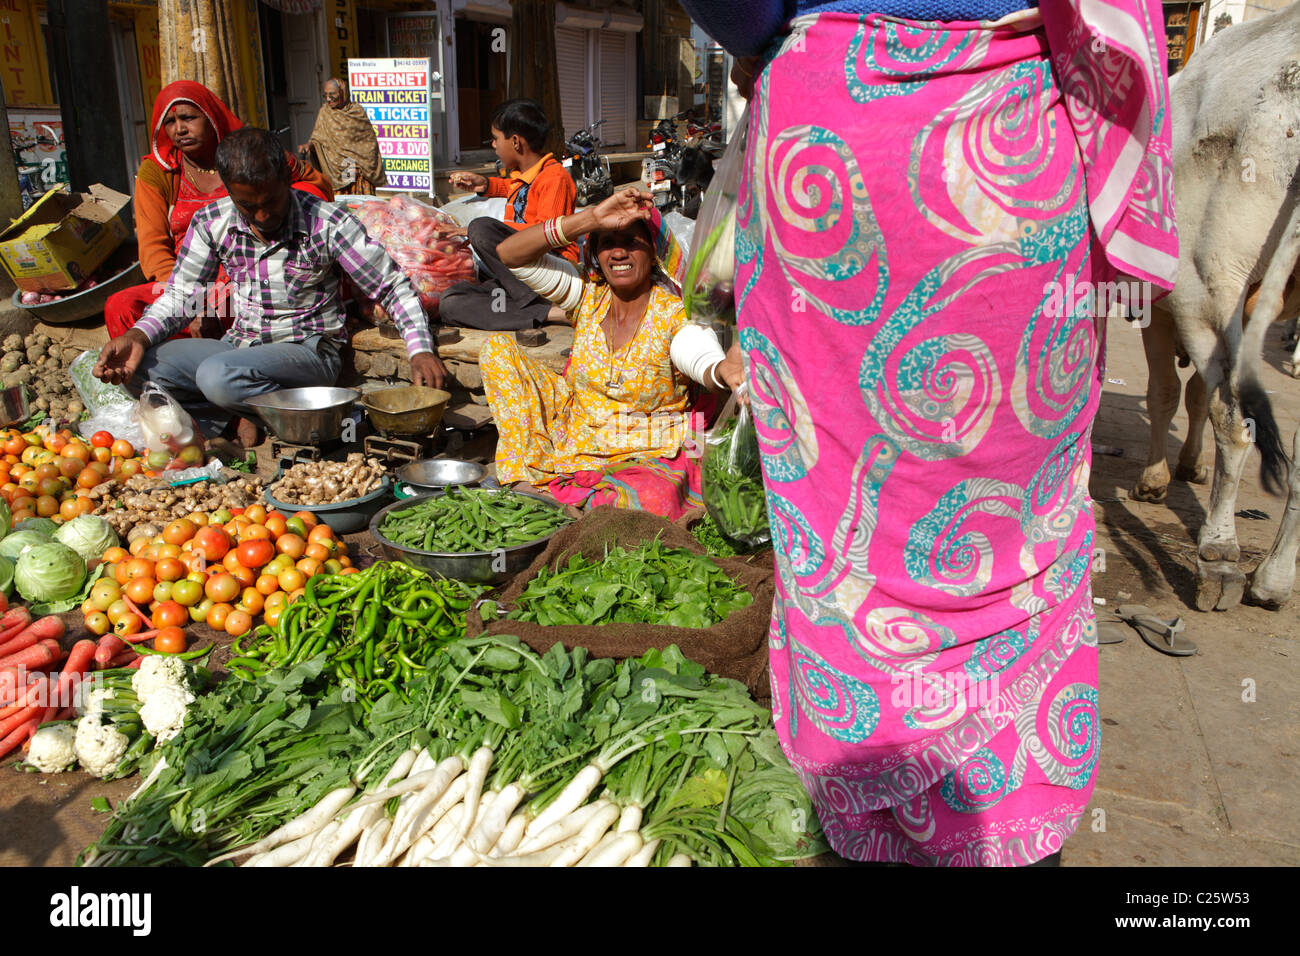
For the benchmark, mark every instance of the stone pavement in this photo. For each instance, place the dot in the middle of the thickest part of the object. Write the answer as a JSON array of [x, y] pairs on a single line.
[[1199, 755]]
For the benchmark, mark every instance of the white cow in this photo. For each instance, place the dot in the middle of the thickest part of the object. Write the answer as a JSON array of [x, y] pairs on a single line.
[[1236, 140]]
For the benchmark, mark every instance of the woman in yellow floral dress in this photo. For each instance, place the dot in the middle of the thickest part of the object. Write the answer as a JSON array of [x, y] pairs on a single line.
[[618, 426]]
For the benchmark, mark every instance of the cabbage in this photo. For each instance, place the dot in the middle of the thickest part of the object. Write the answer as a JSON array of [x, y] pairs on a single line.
[[49, 572], [6, 576], [44, 525], [6, 518], [87, 535], [16, 542]]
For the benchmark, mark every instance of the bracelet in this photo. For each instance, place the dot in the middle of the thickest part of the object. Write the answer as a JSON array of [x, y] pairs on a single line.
[[554, 233], [559, 231], [713, 374]]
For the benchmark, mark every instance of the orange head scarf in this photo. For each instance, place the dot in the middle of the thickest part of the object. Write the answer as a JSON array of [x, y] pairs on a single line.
[[218, 114]]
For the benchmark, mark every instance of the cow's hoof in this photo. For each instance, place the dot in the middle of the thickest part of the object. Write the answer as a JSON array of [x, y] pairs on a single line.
[[1220, 585], [1193, 474], [1150, 493], [1290, 368], [1268, 600]]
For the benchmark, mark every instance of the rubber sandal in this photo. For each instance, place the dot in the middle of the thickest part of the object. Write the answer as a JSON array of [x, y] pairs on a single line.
[[1110, 632], [1164, 636]]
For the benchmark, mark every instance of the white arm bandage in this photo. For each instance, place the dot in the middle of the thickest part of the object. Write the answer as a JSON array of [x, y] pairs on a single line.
[[696, 352], [555, 279]]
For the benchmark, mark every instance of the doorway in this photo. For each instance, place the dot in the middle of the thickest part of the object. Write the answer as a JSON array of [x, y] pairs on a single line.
[[482, 70]]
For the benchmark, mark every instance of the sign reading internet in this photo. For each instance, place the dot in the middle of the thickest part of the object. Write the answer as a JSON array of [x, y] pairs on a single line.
[[395, 95]]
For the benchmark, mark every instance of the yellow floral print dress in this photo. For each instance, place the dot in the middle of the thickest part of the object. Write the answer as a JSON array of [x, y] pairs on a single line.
[[603, 410]]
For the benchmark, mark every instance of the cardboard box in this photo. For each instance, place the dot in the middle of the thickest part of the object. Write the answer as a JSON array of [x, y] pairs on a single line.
[[63, 238]]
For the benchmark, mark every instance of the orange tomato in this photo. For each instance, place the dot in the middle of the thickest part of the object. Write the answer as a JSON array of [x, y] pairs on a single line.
[[102, 455], [47, 506], [85, 504], [291, 580], [68, 510], [194, 561], [317, 551], [320, 532], [222, 587], [238, 623], [119, 572], [267, 584], [245, 576], [307, 518], [251, 601], [347, 563], [275, 602], [255, 514], [170, 614], [271, 618], [170, 640], [291, 544], [350, 570], [179, 531], [138, 545], [114, 555], [275, 523], [129, 624], [123, 449], [14, 445], [140, 590], [231, 561], [88, 478], [308, 566], [255, 553], [139, 568], [212, 543], [217, 615], [256, 532], [150, 552], [169, 569]]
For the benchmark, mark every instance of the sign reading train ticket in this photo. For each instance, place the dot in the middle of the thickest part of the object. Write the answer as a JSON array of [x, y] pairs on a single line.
[[395, 95]]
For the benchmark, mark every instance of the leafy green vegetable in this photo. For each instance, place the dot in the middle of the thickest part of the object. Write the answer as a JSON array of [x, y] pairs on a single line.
[[50, 572]]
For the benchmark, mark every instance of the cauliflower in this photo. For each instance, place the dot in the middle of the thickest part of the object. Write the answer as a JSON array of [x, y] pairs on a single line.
[[99, 746], [52, 748], [156, 673], [163, 713], [93, 702]]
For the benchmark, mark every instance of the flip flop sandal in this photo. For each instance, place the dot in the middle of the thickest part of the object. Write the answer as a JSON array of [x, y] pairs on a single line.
[[1110, 632], [1163, 636]]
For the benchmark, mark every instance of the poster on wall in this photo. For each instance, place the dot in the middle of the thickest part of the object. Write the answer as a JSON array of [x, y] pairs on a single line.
[[395, 95], [41, 155]]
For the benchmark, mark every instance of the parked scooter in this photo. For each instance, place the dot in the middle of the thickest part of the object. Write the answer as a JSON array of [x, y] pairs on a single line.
[[680, 170], [589, 169]]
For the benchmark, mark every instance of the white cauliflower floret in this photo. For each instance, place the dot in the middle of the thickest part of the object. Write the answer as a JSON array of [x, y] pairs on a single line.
[[93, 701], [163, 713], [99, 746], [52, 749], [156, 673]]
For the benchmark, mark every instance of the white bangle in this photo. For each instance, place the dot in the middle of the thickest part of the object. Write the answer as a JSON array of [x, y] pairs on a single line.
[[713, 374]]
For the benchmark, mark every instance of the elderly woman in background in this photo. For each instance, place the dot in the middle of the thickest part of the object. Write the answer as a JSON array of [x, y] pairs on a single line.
[[176, 180], [617, 427], [343, 144]]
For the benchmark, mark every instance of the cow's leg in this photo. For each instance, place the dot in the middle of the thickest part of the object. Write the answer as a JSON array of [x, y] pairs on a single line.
[[1163, 390], [1190, 467], [1219, 581], [1275, 577]]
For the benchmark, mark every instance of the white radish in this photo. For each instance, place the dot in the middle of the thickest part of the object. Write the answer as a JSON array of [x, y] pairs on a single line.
[[511, 835], [401, 767], [445, 829], [630, 821], [424, 817], [410, 816], [488, 829], [478, 768], [416, 781], [307, 823], [372, 841], [286, 854], [353, 824], [540, 858], [562, 829], [588, 837], [643, 856], [616, 852], [423, 761], [680, 859], [321, 842], [453, 842], [571, 797]]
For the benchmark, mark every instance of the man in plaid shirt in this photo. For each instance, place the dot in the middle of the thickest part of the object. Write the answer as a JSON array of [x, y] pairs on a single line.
[[280, 248]]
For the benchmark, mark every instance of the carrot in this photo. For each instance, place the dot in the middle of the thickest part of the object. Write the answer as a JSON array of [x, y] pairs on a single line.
[[139, 637], [4, 603], [125, 659], [44, 654], [80, 660], [13, 683], [13, 621], [20, 718], [110, 646], [34, 691], [148, 622], [67, 713], [50, 627], [8, 744], [135, 664]]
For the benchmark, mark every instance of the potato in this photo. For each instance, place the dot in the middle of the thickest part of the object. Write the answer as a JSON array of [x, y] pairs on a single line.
[[13, 343]]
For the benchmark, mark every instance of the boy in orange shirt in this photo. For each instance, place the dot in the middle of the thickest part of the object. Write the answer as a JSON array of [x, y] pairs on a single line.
[[538, 189]]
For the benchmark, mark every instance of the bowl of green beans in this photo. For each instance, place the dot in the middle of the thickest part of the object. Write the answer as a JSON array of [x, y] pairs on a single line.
[[477, 535]]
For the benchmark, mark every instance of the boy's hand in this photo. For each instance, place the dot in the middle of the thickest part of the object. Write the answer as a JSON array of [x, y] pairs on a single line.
[[471, 181]]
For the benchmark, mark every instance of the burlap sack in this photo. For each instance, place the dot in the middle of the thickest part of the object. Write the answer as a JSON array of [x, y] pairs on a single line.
[[735, 647]]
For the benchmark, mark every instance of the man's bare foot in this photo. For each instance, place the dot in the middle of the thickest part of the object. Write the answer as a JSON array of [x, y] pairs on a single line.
[[249, 433]]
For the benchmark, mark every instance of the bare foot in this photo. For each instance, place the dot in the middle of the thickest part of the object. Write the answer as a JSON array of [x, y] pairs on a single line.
[[249, 433]]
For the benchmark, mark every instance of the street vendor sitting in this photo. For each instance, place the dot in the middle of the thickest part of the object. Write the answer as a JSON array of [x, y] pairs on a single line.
[[280, 248]]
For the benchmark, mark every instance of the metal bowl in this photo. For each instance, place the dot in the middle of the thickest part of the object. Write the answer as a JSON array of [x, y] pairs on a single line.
[[344, 517], [473, 567], [407, 410], [433, 473], [13, 406], [85, 304], [305, 416]]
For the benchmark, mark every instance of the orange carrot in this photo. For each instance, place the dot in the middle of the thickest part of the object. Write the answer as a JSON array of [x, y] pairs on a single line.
[[80, 660], [42, 655], [20, 718], [16, 737], [124, 659], [13, 621], [4, 603], [34, 692], [110, 646], [148, 621], [47, 627]]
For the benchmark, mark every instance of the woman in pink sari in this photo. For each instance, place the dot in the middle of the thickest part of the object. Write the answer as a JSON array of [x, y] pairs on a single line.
[[925, 207]]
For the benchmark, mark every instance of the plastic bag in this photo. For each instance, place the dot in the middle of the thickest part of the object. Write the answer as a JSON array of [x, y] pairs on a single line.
[[709, 292], [165, 424], [419, 238], [732, 475], [97, 396]]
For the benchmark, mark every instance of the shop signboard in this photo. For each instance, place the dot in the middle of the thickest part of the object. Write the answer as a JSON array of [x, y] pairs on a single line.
[[395, 95]]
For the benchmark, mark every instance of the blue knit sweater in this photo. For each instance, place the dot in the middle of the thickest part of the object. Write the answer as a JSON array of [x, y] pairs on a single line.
[[745, 27]]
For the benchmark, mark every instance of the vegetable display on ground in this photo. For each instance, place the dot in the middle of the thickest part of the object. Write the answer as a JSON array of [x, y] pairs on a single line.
[[327, 482], [464, 520]]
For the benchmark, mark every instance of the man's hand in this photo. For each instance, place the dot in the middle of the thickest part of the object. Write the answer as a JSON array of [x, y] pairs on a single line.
[[427, 369], [119, 359], [471, 181], [623, 208]]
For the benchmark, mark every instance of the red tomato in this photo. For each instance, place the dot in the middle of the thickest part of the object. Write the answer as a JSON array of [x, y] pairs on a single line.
[[256, 553], [212, 543], [169, 614], [101, 439], [170, 640]]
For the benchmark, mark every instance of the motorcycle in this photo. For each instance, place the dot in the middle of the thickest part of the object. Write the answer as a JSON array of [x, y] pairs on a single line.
[[589, 169], [681, 169]]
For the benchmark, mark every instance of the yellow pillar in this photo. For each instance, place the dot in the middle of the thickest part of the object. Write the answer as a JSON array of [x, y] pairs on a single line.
[[216, 43]]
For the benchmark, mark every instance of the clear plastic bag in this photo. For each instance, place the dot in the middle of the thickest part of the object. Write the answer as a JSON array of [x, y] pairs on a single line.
[[709, 292], [166, 425], [97, 396], [732, 475]]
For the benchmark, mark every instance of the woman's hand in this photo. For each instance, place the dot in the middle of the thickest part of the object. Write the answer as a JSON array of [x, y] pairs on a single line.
[[743, 70], [623, 208], [731, 369]]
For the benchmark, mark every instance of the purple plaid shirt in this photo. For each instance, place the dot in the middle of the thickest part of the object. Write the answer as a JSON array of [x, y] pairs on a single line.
[[288, 290]]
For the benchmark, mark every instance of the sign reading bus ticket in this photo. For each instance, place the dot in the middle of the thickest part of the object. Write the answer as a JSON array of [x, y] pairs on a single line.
[[395, 95]]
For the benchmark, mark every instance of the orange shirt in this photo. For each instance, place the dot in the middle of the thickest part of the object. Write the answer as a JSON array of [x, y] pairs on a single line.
[[551, 193]]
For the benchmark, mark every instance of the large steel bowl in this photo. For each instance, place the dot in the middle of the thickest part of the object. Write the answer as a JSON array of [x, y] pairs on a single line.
[[343, 517], [305, 416], [473, 567], [85, 304], [407, 409], [434, 473]]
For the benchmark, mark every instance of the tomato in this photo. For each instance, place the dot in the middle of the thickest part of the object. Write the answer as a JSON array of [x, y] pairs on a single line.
[[266, 584], [179, 531], [14, 446], [255, 532], [170, 614], [212, 543], [126, 625], [275, 523], [256, 514], [271, 618], [256, 553], [331, 567], [101, 456], [123, 449], [231, 561], [169, 569], [238, 623], [140, 590], [88, 478], [98, 623], [85, 504], [296, 525], [291, 580], [139, 568], [101, 439], [130, 468], [199, 612], [251, 601], [162, 591], [68, 510], [222, 587], [104, 593], [282, 562], [187, 593], [317, 552], [217, 615], [170, 640]]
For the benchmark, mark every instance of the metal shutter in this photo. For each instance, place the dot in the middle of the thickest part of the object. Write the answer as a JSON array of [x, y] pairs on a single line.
[[571, 64], [613, 88]]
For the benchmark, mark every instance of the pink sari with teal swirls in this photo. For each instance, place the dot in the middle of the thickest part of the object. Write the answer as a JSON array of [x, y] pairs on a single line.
[[923, 205]]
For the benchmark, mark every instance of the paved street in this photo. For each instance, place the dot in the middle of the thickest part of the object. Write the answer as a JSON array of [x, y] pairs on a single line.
[[1191, 773]]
